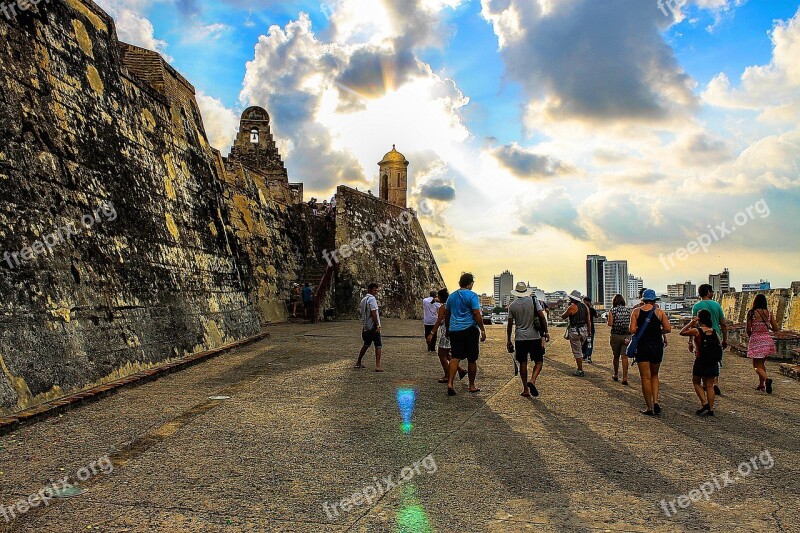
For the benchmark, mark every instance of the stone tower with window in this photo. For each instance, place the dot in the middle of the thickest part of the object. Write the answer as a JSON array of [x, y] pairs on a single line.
[[394, 178], [254, 146]]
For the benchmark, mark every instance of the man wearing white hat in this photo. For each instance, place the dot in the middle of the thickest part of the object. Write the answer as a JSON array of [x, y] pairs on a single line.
[[580, 328], [530, 339]]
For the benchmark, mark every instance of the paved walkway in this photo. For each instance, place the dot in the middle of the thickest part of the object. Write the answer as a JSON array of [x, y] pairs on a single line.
[[302, 428]]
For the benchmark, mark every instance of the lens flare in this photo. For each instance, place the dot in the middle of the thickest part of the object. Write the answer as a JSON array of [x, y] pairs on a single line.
[[405, 400], [411, 518]]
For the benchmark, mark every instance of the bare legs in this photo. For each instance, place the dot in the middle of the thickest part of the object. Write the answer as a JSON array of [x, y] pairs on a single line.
[[625, 366], [761, 370], [363, 352], [444, 359], [523, 374], [648, 373]]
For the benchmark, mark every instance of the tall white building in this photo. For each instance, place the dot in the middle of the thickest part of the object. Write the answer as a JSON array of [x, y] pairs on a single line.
[[615, 280], [634, 286], [503, 284]]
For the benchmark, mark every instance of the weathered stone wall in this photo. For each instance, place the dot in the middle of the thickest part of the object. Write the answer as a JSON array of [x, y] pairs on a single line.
[[784, 304], [159, 278], [281, 241], [129, 240], [400, 260]]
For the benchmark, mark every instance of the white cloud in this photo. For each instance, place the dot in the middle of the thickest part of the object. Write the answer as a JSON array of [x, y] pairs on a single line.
[[220, 122], [132, 26]]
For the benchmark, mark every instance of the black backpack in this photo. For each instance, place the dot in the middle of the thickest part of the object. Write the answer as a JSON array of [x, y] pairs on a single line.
[[710, 347]]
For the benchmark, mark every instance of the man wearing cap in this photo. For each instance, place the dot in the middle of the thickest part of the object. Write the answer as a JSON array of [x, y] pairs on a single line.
[[464, 322], [529, 341], [579, 329]]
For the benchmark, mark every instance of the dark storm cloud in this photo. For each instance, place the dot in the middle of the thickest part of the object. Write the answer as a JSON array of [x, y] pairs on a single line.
[[442, 190], [601, 61], [527, 165]]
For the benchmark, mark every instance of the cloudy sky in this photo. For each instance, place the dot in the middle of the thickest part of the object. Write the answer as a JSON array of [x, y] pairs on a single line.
[[539, 131]]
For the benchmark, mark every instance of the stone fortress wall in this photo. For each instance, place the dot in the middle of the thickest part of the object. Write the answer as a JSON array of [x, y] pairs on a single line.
[[187, 250]]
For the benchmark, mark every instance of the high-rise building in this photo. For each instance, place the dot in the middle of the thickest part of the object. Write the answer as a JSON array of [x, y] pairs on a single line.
[[615, 281], [682, 291], [595, 278], [503, 284], [720, 283], [634, 286]]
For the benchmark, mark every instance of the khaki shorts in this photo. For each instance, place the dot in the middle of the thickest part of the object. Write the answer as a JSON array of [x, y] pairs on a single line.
[[577, 336], [619, 343]]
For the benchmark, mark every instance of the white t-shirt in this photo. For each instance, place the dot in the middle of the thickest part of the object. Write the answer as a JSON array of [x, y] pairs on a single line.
[[430, 311], [368, 304]]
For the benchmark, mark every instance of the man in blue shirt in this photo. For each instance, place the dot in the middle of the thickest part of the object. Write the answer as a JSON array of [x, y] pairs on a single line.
[[308, 300], [708, 303], [464, 322]]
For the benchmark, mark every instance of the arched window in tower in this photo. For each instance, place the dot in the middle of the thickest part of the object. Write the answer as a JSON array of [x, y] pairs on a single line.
[[254, 136]]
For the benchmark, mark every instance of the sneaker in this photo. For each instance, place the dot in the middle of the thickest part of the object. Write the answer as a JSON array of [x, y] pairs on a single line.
[[656, 409], [587, 359], [717, 391], [579, 373], [702, 410], [769, 386], [710, 413]]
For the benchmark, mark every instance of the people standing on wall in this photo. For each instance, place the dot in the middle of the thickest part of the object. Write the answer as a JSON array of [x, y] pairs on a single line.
[[588, 346], [619, 319], [430, 313], [708, 353], [444, 341], [648, 326], [707, 302], [760, 322], [308, 300], [464, 323], [370, 327], [579, 329], [530, 335]]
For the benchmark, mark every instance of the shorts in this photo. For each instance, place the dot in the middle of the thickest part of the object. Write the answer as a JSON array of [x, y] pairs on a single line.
[[370, 336], [577, 336], [618, 344], [465, 344], [650, 352], [704, 368], [534, 349]]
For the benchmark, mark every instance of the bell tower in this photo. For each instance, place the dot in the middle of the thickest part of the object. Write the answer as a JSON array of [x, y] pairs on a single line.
[[255, 147], [394, 178]]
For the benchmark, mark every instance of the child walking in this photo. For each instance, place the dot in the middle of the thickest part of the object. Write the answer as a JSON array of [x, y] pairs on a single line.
[[708, 354]]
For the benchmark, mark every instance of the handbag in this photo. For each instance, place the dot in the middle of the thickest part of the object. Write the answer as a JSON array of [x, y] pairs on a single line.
[[633, 347]]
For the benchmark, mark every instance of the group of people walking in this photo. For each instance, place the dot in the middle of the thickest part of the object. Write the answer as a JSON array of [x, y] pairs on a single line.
[[454, 329]]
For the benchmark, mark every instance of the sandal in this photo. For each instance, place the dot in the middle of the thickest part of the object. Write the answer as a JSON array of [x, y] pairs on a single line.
[[451, 392]]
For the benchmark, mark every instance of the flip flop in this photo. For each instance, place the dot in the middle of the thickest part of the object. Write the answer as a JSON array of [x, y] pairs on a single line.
[[451, 392], [474, 391], [378, 370], [525, 395]]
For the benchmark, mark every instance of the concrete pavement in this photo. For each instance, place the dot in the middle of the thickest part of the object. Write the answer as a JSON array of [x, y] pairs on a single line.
[[301, 428]]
